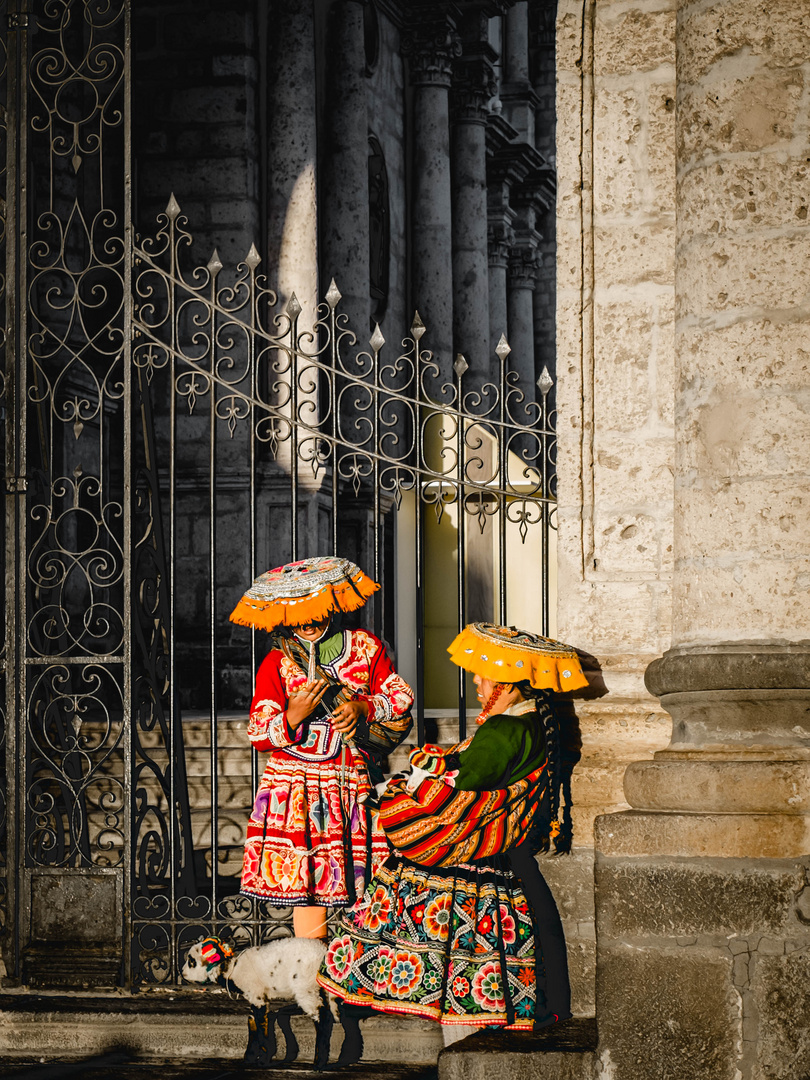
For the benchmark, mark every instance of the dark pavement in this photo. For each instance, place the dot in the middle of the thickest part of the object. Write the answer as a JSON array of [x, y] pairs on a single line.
[[119, 1066]]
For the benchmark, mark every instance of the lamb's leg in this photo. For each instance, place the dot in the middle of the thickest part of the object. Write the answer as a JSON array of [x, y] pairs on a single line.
[[267, 1029], [256, 1051], [285, 1024], [350, 1017], [323, 1035]]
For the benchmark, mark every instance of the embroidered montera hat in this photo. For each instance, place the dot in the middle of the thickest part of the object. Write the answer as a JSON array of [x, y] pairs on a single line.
[[303, 592], [506, 654]]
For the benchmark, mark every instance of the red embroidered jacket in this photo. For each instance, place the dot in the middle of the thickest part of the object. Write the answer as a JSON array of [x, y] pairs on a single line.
[[362, 666]]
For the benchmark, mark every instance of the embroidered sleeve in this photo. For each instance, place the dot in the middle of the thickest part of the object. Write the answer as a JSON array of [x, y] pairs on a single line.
[[389, 699], [267, 727]]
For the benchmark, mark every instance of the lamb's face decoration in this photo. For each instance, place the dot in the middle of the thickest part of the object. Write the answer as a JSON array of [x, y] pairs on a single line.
[[205, 959]]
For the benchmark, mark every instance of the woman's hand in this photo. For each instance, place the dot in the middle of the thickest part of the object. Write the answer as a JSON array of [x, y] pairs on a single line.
[[304, 702], [346, 716]]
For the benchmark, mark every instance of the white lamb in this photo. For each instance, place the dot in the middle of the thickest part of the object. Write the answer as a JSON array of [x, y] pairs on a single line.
[[282, 969]]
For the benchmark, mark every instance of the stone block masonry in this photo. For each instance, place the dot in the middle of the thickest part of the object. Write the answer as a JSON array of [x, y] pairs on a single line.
[[720, 948]]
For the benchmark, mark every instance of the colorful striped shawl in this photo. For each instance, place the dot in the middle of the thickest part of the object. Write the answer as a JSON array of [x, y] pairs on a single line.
[[441, 826]]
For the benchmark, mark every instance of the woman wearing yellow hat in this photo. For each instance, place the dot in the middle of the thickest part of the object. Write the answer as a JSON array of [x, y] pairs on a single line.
[[328, 705], [445, 930]]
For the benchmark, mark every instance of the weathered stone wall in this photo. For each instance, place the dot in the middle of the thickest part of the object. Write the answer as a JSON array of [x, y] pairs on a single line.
[[702, 888], [615, 282]]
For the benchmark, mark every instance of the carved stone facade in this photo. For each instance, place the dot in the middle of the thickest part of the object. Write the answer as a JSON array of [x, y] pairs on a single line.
[[682, 320]]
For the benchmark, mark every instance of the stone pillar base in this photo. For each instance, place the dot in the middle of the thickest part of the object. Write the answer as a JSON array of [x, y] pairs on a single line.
[[703, 951]]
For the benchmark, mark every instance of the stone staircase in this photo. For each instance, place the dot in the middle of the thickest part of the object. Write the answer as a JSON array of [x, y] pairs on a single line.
[[567, 1052]]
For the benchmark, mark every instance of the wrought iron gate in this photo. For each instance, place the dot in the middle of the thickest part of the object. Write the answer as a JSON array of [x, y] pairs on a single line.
[[171, 431]]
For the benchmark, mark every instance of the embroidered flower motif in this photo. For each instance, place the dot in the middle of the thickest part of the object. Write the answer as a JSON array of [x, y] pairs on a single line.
[[431, 980], [250, 863], [526, 976], [485, 925], [298, 809], [487, 989], [379, 969], [406, 972], [507, 926], [379, 908], [461, 986], [418, 914], [281, 869], [339, 957], [328, 873], [277, 810], [437, 917]]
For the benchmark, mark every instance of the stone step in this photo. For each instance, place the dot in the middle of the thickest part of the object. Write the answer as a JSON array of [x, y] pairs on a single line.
[[564, 1052], [188, 1025]]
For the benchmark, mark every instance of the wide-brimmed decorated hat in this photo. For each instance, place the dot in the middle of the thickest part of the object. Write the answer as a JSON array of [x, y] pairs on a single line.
[[506, 654], [302, 592]]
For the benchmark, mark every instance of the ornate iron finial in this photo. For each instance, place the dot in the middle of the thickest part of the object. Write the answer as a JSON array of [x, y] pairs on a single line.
[[460, 365], [376, 341], [417, 326], [214, 264], [172, 208], [333, 295], [293, 308], [545, 382], [503, 347], [253, 258]]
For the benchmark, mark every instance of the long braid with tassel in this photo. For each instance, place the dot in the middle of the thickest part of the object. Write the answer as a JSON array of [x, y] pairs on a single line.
[[549, 829]]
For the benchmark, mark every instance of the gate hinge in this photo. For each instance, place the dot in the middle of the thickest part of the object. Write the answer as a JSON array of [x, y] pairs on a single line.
[[17, 20], [15, 485]]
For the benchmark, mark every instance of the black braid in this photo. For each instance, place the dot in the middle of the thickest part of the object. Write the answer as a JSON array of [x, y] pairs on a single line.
[[539, 833]]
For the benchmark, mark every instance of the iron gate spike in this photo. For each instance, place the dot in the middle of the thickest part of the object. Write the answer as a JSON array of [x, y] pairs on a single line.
[[214, 264], [332, 295], [503, 348], [545, 382], [376, 341]]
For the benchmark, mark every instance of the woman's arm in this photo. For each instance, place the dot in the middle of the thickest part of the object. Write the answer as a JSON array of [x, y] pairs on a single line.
[[268, 728], [503, 750], [389, 699]]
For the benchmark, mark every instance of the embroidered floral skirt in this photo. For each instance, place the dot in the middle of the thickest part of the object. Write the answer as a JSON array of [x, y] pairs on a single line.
[[455, 945], [309, 841]]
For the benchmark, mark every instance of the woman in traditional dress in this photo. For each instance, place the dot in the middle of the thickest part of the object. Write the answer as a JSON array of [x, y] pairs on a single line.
[[328, 706], [445, 930]]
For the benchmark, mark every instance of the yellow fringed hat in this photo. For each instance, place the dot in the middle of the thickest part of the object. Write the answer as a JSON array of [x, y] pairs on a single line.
[[303, 592], [506, 654]]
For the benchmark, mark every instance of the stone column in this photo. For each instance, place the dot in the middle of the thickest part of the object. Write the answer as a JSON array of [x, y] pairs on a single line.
[[500, 237], [520, 315], [516, 93], [703, 890], [473, 86], [430, 45], [344, 216], [292, 204]]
